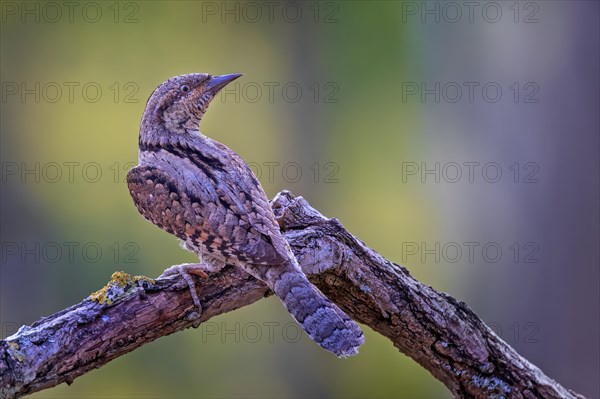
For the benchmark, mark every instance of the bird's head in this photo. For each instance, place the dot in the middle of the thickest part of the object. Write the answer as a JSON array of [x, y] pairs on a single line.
[[180, 102]]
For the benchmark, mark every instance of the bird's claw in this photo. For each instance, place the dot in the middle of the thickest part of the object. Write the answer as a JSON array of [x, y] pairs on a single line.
[[185, 270]]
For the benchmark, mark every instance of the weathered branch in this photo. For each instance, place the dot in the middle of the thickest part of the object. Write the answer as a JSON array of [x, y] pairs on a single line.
[[440, 333]]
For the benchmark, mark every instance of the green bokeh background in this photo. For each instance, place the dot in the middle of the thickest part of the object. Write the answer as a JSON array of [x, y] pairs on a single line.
[[359, 53]]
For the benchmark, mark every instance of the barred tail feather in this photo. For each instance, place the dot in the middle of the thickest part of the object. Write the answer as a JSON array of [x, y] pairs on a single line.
[[320, 318]]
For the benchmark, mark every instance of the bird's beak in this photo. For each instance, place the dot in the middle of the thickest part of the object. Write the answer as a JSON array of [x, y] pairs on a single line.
[[216, 83]]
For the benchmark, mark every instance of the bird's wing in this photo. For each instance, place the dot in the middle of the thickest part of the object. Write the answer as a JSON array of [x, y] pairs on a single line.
[[227, 223]]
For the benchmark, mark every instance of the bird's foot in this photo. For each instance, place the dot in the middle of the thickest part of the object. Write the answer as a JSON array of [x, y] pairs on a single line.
[[185, 270]]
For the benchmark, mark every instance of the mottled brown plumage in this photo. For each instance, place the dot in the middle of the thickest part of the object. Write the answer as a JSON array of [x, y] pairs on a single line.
[[202, 192]]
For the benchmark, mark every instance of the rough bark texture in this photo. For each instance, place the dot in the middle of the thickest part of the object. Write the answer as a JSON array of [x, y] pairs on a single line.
[[440, 333]]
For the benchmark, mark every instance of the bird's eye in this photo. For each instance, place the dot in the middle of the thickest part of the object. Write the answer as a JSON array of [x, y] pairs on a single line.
[[185, 88]]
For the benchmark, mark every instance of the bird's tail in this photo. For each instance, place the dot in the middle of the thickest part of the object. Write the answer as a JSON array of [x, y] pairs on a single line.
[[320, 318]]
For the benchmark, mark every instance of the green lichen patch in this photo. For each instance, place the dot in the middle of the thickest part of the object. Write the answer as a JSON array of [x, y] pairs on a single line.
[[144, 282], [140, 279], [120, 283], [14, 352]]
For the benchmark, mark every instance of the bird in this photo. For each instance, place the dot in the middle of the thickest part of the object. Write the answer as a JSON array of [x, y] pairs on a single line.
[[203, 192]]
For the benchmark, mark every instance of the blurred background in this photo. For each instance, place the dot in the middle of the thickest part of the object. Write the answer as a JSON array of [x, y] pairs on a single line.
[[461, 141]]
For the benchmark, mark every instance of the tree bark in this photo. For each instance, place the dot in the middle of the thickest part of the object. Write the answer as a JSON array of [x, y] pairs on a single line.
[[440, 333]]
